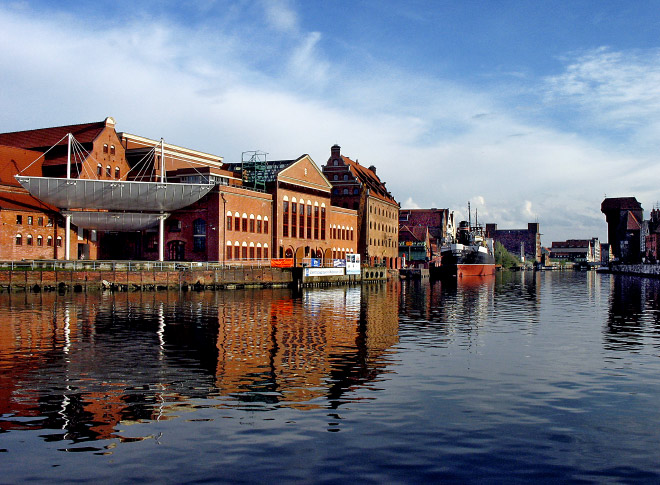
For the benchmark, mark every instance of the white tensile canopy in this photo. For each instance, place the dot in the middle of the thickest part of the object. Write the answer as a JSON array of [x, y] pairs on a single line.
[[113, 195], [114, 221]]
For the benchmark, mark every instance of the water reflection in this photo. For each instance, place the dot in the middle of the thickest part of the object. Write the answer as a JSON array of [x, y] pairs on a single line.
[[634, 312], [80, 365]]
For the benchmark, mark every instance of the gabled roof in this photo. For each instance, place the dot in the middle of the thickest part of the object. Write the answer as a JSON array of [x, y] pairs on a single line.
[[413, 233], [44, 138], [632, 223], [369, 179]]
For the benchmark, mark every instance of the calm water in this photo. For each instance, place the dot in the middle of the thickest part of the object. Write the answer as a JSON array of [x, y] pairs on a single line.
[[545, 377]]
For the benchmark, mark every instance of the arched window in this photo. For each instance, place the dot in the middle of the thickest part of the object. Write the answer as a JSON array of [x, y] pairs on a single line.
[[237, 221], [199, 235], [117, 173], [252, 228], [251, 250], [99, 169], [345, 192], [245, 222], [265, 225], [58, 241], [112, 149], [345, 176], [19, 240], [40, 241], [265, 251], [108, 171], [244, 252], [229, 225], [258, 224], [49, 241], [105, 148], [229, 252], [335, 177], [259, 254], [29, 240]]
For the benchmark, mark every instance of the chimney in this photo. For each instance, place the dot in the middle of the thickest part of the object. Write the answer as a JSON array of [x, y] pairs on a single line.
[[373, 169], [335, 151]]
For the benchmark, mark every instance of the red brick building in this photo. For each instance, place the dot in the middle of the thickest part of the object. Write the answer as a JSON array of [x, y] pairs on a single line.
[[357, 187], [624, 216]]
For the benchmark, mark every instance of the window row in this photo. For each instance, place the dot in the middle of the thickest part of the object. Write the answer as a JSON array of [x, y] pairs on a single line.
[[382, 227], [380, 242], [343, 233], [238, 251], [303, 220], [337, 191], [30, 220], [29, 240], [108, 171], [105, 149], [381, 212], [236, 222]]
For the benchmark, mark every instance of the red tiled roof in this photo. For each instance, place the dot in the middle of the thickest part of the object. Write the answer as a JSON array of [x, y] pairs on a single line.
[[47, 137], [17, 160], [21, 200], [370, 179]]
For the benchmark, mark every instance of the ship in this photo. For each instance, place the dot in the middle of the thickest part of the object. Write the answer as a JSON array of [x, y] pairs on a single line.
[[471, 254]]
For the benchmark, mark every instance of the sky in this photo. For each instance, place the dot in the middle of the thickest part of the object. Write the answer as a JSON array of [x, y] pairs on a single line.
[[530, 111]]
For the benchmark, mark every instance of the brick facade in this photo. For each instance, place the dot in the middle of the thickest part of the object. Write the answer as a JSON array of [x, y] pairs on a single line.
[[514, 239]]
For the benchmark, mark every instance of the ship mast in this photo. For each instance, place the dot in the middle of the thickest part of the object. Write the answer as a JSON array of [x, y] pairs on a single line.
[[469, 217]]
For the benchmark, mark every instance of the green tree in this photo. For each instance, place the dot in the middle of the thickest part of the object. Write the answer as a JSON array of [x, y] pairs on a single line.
[[504, 257]]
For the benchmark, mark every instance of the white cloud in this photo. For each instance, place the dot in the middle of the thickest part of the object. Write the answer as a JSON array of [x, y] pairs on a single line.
[[435, 143]]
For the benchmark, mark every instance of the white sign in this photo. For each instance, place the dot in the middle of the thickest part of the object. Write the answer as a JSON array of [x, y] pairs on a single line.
[[352, 263], [324, 271]]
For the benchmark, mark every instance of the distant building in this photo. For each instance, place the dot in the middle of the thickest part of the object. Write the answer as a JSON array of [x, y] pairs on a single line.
[[624, 216], [440, 224], [415, 244], [576, 250], [525, 242]]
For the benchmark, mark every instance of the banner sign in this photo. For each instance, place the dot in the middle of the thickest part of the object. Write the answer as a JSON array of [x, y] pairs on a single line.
[[324, 271], [352, 264], [281, 263], [315, 263], [339, 263]]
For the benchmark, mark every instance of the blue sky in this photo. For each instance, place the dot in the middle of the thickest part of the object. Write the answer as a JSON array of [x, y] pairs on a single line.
[[532, 111]]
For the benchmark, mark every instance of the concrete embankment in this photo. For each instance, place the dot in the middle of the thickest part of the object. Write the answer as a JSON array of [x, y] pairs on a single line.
[[650, 270]]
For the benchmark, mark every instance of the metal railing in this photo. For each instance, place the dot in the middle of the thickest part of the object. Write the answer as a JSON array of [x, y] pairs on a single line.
[[99, 265]]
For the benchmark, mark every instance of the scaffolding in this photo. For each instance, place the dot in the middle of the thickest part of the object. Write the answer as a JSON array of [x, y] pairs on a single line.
[[254, 169]]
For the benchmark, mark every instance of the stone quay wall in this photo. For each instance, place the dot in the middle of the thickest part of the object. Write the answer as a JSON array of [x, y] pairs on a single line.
[[130, 279]]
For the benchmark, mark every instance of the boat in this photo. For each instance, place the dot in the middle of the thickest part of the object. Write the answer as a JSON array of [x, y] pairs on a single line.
[[471, 254]]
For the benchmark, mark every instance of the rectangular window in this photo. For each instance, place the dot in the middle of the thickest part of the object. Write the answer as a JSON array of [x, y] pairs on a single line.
[[258, 253], [229, 252], [323, 223], [294, 220], [244, 252], [302, 221], [266, 226], [309, 221], [40, 221], [316, 222], [285, 218], [50, 222], [19, 219], [29, 220], [265, 253], [252, 252]]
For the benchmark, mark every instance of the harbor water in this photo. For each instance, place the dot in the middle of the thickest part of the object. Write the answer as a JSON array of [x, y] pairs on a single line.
[[527, 376]]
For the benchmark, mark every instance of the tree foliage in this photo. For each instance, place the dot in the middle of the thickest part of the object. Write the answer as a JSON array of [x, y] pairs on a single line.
[[504, 257]]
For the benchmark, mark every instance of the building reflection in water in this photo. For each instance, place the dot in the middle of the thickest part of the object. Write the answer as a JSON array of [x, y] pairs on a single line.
[[634, 313], [82, 364]]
